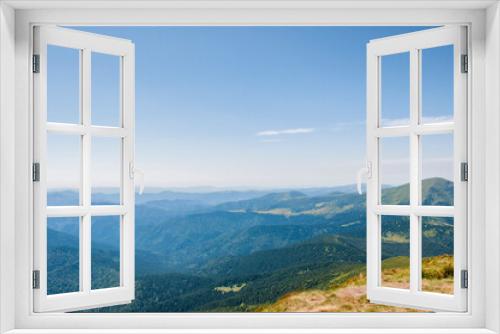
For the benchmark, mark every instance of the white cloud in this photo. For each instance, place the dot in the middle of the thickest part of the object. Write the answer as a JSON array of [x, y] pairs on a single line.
[[438, 119], [286, 132], [389, 123], [425, 120]]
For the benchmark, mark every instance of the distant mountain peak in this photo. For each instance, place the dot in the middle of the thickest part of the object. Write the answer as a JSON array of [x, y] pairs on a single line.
[[435, 191], [437, 180]]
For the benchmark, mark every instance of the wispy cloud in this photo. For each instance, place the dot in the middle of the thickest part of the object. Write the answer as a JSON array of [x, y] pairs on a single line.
[[439, 119], [425, 120], [395, 122], [286, 132]]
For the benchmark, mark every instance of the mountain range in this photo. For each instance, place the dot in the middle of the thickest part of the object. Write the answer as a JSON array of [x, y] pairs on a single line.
[[234, 251]]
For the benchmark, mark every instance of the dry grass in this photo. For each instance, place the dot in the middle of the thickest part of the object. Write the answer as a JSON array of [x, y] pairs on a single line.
[[396, 238], [437, 274], [320, 209], [350, 296], [226, 289]]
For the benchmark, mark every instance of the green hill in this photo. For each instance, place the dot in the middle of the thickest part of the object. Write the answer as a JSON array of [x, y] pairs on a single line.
[[435, 191], [258, 238], [252, 252], [328, 248], [264, 222], [63, 263], [190, 293], [279, 220], [243, 283], [437, 240], [265, 201]]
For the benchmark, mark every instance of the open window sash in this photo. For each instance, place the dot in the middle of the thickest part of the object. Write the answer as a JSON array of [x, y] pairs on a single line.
[[414, 43], [86, 297]]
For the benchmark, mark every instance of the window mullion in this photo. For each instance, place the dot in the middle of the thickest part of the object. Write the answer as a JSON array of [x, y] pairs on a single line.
[[414, 171], [85, 235]]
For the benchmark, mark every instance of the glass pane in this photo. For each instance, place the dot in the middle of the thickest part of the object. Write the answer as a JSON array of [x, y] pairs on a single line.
[[437, 255], [437, 84], [437, 169], [105, 90], [63, 85], [105, 252], [106, 170], [63, 255], [395, 251], [395, 170], [395, 89], [63, 170]]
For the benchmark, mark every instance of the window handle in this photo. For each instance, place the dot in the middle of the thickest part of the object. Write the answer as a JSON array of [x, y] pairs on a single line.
[[133, 170], [368, 171]]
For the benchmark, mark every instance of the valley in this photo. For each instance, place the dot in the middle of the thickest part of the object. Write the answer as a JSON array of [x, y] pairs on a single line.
[[240, 251]]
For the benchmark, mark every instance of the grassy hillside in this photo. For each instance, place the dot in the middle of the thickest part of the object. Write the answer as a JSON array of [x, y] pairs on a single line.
[[350, 296]]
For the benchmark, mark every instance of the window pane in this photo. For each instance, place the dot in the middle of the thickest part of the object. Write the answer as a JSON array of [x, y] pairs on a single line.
[[105, 252], [63, 170], [63, 255], [395, 170], [106, 170], [437, 169], [395, 89], [105, 90], [437, 84], [395, 251], [63, 85], [437, 254]]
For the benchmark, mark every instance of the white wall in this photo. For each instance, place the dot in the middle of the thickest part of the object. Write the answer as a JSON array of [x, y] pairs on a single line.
[[492, 163], [7, 159]]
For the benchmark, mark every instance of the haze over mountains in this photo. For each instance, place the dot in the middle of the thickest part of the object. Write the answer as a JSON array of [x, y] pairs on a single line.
[[237, 250]]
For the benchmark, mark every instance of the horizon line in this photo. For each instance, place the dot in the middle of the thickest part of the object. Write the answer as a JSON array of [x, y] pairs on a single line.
[[235, 188]]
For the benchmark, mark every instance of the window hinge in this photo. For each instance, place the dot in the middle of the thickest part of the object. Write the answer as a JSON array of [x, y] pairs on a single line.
[[36, 279], [36, 172], [464, 171], [465, 279], [465, 64], [36, 63]]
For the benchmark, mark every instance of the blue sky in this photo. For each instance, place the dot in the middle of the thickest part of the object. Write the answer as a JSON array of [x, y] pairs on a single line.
[[254, 107]]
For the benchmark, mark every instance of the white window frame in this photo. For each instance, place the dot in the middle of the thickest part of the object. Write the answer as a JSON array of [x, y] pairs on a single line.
[[414, 43], [484, 146], [86, 44]]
